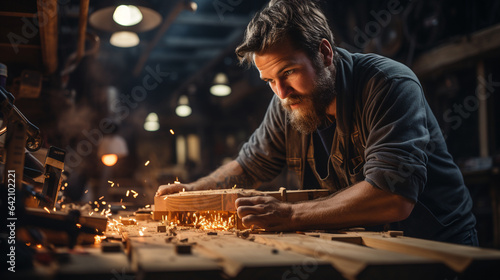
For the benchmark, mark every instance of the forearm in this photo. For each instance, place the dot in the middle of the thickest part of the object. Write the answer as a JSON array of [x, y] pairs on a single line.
[[359, 205], [225, 177]]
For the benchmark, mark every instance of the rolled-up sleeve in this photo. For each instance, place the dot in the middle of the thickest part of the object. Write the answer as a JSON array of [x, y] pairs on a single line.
[[395, 151], [263, 156]]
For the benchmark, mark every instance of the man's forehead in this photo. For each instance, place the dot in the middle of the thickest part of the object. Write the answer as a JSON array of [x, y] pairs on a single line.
[[281, 47], [264, 60]]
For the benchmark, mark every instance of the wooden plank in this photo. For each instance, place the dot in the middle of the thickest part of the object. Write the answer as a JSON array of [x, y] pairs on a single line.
[[177, 8], [244, 259], [91, 263], [163, 262], [56, 226], [358, 262], [214, 255], [98, 223], [47, 16], [223, 200], [17, 14], [476, 46], [470, 262], [198, 201], [154, 258]]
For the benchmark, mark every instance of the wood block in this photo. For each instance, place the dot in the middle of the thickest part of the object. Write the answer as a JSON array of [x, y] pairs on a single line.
[[128, 221], [111, 247], [161, 228], [358, 262]]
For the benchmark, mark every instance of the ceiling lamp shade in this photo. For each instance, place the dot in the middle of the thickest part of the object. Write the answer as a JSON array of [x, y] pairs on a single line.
[[125, 18], [183, 109], [127, 15], [124, 39], [221, 85], [111, 148]]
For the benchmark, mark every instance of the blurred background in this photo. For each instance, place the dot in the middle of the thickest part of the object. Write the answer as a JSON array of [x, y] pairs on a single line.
[[144, 93]]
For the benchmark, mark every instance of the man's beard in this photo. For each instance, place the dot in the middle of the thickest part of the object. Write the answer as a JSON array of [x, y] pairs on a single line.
[[312, 112]]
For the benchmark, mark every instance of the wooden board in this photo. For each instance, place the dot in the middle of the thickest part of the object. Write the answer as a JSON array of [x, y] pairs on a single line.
[[55, 225], [96, 222], [217, 256], [244, 259], [346, 255], [358, 262], [223, 200], [91, 263], [479, 45], [162, 261], [469, 262]]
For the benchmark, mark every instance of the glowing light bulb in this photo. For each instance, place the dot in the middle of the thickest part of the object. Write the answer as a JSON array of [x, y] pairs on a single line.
[[127, 15], [109, 159]]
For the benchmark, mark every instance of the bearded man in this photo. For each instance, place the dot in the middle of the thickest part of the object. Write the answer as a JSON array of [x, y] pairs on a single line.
[[356, 124]]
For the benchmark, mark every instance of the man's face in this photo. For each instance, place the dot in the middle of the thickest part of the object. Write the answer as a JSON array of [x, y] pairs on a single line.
[[306, 88]]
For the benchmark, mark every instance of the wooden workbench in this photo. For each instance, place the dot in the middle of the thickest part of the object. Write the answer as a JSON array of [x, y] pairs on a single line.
[[141, 252]]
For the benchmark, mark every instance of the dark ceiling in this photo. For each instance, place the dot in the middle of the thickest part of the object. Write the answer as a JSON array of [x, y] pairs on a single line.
[[78, 64]]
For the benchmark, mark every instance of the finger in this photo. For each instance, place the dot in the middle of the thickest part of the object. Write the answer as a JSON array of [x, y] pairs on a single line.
[[266, 221], [173, 189], [161, 190], [250, 210], [168, 189], [252, 220], [243, 201], [254, 200]]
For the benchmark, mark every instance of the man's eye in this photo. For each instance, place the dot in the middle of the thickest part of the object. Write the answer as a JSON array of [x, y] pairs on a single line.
[[288, 72]]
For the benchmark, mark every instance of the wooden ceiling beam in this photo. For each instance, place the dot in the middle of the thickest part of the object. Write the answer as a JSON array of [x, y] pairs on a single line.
[[474, 47], [16, 14], [177, 9], [47, 23]]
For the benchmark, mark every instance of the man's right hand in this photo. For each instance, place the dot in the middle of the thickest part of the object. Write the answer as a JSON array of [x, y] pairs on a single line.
[[172, 188]]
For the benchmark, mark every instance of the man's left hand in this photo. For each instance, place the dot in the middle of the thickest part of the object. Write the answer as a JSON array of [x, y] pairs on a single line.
[[265, 212]]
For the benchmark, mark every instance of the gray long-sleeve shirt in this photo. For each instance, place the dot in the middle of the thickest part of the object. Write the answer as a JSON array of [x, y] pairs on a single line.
[[393, 142]]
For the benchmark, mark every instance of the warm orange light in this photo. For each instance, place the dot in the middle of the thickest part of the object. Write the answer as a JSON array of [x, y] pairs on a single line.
[[109, 159]]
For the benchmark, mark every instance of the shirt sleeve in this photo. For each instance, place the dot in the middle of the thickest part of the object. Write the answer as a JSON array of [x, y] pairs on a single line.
[[395, 152], [263, 156]]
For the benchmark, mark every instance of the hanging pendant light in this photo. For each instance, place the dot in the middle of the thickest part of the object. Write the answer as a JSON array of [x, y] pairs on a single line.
[[152, 123], [111, 148], [125, 18], [221, 85], [183, 109]]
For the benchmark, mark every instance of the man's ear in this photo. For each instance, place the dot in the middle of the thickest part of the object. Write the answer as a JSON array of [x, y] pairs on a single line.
[[327, 52]]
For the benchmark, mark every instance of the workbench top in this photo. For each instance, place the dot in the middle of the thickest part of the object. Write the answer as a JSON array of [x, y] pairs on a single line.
[[149, 250]]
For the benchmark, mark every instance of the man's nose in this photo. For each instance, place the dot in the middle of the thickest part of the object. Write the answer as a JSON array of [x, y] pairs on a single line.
[[282, 89]]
